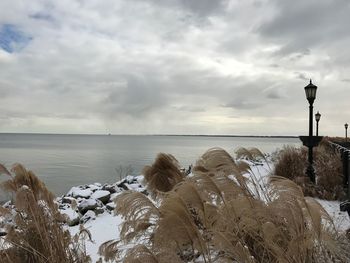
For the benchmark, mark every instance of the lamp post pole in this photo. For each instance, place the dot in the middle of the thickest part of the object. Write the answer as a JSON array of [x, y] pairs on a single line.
[[317, 118], [310, 169], [310, 91], [311, 141], [346, 132]]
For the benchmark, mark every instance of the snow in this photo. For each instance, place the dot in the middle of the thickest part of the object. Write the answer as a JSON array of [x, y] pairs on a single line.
[[102, 229], [111, 205], [89, 215], [341, 219], [100, 193], [78, 192], [87, 203], [69, 212], [135, 187], [94, 187]]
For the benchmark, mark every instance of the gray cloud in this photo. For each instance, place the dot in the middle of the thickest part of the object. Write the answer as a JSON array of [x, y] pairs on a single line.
[[174, 66], [299, 26], [137, 98], [202, 8]]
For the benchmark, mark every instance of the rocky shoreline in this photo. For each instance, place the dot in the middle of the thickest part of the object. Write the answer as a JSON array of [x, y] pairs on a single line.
[[84, 203]]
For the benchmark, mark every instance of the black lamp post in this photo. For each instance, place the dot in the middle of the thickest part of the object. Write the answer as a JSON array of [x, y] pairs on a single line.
[[346, 132], [317, 118], [310, 141]]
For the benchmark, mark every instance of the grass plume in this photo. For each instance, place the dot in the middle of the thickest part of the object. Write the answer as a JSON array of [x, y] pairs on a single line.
[[37, 235], [213, 216], [163, 174]]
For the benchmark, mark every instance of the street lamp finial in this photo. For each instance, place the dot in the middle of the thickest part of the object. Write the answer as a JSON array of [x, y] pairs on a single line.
[[310, 81]]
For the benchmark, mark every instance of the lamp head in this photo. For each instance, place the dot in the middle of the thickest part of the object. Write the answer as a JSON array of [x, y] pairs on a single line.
[[317, 116], [310, 92]]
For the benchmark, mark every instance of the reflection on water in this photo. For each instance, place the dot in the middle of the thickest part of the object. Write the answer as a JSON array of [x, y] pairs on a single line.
[[62, 161]]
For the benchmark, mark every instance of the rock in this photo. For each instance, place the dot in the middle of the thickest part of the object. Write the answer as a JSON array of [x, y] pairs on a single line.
[[345, 206], [78, 192], [123, 185], [130, 179], [110, 188], [99, 210], [67, 200], [86, 205], [101, 195], [73, 222], [8, 204], [94, 187], [62, 206], [140, 179], [134, 186], [113, 196], [90, 215], [110, 206], [99, 185]]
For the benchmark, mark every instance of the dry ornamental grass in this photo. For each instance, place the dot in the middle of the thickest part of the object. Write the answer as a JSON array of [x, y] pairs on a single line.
[[215, 216], [37, 234]]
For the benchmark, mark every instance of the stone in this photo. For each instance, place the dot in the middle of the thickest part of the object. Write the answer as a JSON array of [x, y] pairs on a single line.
[[123, 185], [90, 215], [110, 206], [345, 207], [99, 210], [101, 195], [110, 188], [67, 200], [77, 192], [94, 187], [74, 222], [86, 205]]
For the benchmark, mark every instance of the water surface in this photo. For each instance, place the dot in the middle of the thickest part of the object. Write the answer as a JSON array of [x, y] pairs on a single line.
[[62, 161]]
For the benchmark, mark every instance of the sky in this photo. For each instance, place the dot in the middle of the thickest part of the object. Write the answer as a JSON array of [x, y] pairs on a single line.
[[173, 66]]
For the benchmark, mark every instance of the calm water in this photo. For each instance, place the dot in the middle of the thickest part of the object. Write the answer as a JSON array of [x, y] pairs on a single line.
[[62, 161]]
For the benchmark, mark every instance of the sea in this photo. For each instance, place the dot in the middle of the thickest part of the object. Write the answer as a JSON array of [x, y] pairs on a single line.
[[63, 161]]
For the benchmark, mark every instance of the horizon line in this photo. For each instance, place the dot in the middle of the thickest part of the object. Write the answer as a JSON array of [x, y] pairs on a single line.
[[188, 135]]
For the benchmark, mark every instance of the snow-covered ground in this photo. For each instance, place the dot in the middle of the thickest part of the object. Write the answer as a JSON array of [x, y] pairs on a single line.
[[105, 227], [341, 219]]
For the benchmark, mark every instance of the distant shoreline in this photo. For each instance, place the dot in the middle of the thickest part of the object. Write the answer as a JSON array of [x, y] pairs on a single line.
[[173, 135]]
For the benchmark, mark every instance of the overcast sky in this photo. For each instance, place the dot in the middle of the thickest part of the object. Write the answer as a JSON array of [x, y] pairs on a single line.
[[173, 66]]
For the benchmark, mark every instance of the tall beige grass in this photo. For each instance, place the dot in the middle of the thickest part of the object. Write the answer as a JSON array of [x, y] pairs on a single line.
[[214, 216], [162, 175], [37, 234]]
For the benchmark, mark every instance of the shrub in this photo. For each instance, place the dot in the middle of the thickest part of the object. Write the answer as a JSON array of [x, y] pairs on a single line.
[[291, 163]]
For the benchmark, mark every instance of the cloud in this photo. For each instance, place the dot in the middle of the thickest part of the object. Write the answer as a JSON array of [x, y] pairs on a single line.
[[173, 66], [201, 8], [136, 98], [300, 26]]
